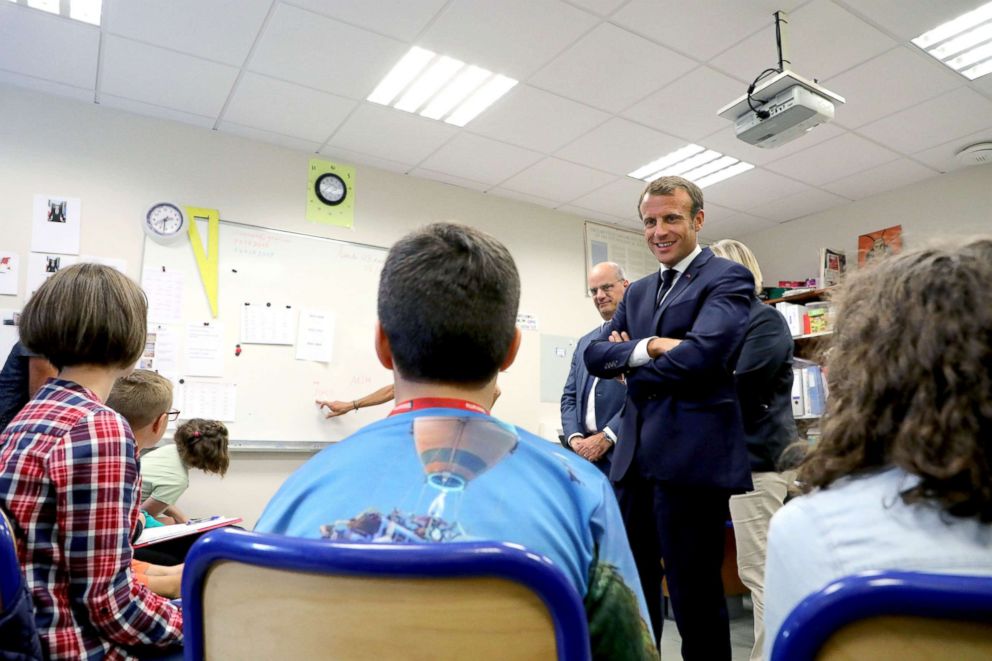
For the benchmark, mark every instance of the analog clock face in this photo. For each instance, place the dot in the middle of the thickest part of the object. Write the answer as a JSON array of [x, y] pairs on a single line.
[[164, 221], [331, 189]]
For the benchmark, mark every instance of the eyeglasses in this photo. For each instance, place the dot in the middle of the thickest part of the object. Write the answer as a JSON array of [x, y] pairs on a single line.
[[606, 289], [173, 414]]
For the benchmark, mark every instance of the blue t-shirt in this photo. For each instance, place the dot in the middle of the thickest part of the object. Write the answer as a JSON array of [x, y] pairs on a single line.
[[441, 475], [14, 383]]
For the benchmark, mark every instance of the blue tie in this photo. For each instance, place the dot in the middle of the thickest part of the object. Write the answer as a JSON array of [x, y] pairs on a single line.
[[667, 278]]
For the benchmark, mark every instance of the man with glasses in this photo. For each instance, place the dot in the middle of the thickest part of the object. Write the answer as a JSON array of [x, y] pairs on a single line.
[[590, 407]]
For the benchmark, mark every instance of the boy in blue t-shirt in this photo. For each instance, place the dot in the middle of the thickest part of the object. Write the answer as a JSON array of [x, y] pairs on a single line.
[[440, 468]]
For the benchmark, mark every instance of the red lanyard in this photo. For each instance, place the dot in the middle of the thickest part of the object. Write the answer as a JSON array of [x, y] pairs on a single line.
[[437, 403]]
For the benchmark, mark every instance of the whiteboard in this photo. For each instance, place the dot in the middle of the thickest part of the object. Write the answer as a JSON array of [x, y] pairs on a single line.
[[274, 392], [605, 243]]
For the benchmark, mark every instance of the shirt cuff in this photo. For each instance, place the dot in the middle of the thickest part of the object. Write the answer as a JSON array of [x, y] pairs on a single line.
[[610, 435], [640, 354], [568, 440]]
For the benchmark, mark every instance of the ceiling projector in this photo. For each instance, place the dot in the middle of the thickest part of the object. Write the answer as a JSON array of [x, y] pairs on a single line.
[[783, 108]]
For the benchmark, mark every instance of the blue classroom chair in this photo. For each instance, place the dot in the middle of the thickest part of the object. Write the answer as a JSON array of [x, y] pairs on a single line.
[[891, 615], [258, 596]]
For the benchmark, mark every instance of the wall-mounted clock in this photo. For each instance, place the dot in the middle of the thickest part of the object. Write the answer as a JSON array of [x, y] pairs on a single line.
[[330, 189], [165, 222]]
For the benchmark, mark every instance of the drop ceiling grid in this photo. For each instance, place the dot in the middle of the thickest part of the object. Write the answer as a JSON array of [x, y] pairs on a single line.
[[548, 125]]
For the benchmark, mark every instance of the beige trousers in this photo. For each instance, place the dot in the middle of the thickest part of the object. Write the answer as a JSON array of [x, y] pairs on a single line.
[[751, 512]]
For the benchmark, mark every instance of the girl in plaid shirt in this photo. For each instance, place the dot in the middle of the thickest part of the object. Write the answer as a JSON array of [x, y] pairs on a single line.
[[69, 474]]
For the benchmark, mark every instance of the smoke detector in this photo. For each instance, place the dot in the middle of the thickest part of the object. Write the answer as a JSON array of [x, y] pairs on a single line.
[[977, 154]]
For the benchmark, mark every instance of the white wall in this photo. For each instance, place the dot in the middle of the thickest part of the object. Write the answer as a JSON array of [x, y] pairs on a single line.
[[959, 203], [119, 164]]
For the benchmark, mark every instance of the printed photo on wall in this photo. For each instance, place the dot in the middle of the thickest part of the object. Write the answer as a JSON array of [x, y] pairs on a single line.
[[42, 266], [55, 224], [9, 273], [878, 244]]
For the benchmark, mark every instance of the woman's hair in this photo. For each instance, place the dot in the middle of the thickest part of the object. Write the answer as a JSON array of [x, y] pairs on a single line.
[[910, 376], [86, 314], [736, 251], [203, 444]]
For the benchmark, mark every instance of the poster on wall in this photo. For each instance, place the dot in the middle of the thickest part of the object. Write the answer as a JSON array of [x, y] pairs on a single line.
[[879, 243], [9, 272], [55, 224], [42, 266]]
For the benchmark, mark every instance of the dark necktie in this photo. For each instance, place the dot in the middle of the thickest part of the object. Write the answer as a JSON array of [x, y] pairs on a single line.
[[667, 278]]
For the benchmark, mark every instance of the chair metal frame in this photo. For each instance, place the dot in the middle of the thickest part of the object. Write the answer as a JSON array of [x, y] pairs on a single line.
[[880, 593], [449, 560]]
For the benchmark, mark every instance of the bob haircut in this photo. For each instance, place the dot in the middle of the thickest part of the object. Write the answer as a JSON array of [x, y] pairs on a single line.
[[910, 375], [86, 314]]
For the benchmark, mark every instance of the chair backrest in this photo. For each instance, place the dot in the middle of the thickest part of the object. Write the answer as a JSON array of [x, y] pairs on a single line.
[[891, 615], [258, 596], [10, 570]]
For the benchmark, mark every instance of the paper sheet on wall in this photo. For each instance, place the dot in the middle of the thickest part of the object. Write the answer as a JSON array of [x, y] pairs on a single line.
[[55, 224], [267, 323], [9, 272], [315, 339], [161, 351], [42, 266], [203, 349], [164, 290], [211, 400], [8, 331]]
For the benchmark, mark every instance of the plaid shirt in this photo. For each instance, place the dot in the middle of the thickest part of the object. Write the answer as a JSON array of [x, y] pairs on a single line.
[[69, 480]]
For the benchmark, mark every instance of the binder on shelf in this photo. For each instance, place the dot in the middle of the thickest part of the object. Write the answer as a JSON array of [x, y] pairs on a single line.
[[798, 399], [815, 400]]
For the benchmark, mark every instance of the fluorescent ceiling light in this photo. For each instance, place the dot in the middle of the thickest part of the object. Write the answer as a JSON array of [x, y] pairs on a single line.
[[486, 96], [964, 44], [697, 164], [440, 87], [86, 11]]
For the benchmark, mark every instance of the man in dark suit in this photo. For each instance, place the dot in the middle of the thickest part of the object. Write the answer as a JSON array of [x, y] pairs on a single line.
[[590, 406], [675, 337]]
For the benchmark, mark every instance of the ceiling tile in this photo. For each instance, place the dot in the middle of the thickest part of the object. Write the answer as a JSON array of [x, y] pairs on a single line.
[[908, 19], [446, 178], [524, 197], [687, 108], [38, 44], [611, 68], [601, 7], [945, 118], [833, 159], [163, 77], [814, 30], [512, 37], [480, 159], [342, 155], [401, 19], [270, 137], [300, 112], [983, 85], [909, 76], [530, 118], [752, 188], [589, 214], [312, 50], [159, 112], [391, 134], [700, 29], [943, 157], [880, 179], [726, 142], [170, 25], [618, 199], [619, 146], [46, 86], [801, 204], [558, 180]]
